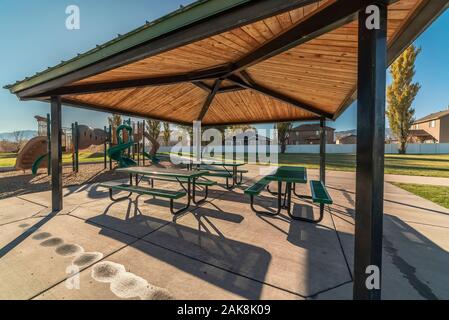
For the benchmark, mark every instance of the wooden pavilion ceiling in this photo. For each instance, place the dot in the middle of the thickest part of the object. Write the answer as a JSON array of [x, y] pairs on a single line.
[[317, 78]]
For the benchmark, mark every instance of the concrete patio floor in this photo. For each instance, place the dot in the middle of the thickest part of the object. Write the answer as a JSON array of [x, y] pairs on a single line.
[[221, 250]]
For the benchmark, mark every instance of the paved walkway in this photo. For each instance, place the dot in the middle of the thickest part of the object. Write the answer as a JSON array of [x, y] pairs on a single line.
[[219, 251]]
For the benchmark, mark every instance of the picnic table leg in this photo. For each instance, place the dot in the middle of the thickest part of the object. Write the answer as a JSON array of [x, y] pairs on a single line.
[[187, 206], [279, 207], [198, 202], [274, 193], [300, 196], [241, 179], [235, 175], [290, 213], [118, 199]]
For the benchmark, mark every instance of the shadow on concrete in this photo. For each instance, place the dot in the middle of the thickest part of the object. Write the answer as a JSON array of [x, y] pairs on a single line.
[[210, 247], [14, 243], [420, 261]]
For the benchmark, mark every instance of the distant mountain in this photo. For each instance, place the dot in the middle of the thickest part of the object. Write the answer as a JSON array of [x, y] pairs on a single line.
[[27, 135]]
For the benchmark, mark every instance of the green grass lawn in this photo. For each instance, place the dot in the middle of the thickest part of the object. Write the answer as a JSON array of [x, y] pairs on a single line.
[[9, 159], [413, 165], [436, 194]]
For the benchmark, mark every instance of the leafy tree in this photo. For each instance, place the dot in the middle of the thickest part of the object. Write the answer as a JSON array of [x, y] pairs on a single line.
[[283, 134], [114, 121], [401, 94], [166, 133], [154, 128]]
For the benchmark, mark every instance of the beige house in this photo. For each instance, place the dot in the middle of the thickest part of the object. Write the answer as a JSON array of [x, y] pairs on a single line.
[[433, 128]]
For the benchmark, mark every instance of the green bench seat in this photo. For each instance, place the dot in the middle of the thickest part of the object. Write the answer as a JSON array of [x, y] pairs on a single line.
[[319, 193], [172, 195], [257, 188]]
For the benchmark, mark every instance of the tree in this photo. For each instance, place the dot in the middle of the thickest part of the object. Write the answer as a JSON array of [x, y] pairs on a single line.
[[401, 94], [115, 121], [283, 134], [239, 128], [166, 133], [154, 130], [18, 140]]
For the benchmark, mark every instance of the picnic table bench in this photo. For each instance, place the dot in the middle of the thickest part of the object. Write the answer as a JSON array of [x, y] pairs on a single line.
[[183, 177], [197, 182], [291, 176]]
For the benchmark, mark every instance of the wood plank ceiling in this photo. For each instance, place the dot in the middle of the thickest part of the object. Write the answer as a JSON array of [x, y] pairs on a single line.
[[321, 73]]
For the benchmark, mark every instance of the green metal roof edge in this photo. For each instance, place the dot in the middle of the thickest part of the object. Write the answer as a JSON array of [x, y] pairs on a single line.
[[182, 17]]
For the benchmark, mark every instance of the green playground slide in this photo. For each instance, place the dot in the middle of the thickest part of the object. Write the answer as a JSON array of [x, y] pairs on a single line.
[[153, 159], [37, 163], [116, 152]]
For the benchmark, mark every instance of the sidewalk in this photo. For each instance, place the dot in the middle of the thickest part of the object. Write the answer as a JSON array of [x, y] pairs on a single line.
[[417, 180]]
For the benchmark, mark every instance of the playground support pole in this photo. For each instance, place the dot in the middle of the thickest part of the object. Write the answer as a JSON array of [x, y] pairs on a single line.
[[48, 145], [323, 141], [73, 147], [110, 144], [104, 151], [143, 142], [56, 154], [76, 147]]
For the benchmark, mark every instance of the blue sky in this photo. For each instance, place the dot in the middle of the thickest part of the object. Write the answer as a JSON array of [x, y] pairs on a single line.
[[34, 37]]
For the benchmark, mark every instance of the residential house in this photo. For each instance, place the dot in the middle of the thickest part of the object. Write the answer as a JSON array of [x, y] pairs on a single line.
[[247, 138], [310, 134], [433, 128], [347, 139]]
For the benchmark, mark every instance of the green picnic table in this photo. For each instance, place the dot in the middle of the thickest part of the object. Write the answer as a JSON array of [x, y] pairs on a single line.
[[230, 169], [187, 179], [290, 176]]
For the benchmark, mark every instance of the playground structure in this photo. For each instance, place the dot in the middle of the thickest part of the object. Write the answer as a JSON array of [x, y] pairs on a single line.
[[128, 149]]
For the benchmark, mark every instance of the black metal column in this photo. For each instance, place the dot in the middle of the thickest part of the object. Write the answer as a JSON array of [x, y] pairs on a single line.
[[372, 65], [56, 155], [323, 141]]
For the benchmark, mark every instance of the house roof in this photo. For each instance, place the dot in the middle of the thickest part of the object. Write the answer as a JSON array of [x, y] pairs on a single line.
[[310, 127], [351, 135], [421, 134], [228, 62], [250, 134], [433, 116]]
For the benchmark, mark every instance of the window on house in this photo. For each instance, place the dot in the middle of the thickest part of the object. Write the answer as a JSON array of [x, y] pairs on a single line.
[[433, 124]]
